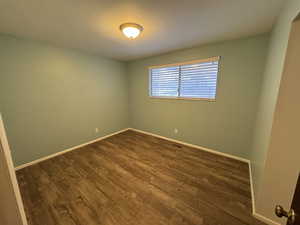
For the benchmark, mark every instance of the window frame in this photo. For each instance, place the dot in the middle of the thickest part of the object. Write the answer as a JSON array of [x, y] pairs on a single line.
[[216, 58]]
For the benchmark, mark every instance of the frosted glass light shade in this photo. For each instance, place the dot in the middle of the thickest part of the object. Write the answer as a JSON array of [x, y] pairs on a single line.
[[131, 30]]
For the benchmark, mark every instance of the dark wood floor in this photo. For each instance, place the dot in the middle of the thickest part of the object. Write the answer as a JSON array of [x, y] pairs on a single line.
[[136, 179]]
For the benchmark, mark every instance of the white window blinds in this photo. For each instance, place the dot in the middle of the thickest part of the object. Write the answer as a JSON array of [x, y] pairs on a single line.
[[197, 79], [165, 81]]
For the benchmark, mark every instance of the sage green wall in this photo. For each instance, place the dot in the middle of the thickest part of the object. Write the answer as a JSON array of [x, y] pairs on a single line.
[[53, 98], [268, 100], [225, 125]]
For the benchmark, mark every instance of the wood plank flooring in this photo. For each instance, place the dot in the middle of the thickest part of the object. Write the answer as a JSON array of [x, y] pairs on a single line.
[[136, 179]]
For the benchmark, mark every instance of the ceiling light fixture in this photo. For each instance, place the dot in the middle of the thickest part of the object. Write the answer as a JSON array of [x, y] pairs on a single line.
[[131, 30]]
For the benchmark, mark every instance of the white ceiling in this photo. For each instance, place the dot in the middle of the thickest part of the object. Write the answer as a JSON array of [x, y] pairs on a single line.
[[93, 25]]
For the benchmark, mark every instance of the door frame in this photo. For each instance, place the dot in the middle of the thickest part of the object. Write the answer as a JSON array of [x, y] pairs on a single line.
[[11, 171]]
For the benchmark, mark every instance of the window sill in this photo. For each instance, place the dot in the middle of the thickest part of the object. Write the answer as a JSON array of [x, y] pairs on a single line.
[[184, 98]]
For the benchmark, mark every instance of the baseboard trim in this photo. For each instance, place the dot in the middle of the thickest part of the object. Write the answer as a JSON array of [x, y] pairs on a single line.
[[265, 219], [193, 146], [252, 188], [68, 150]]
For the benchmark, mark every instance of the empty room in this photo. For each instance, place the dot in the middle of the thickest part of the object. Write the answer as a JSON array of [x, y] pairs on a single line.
[[132, 112]]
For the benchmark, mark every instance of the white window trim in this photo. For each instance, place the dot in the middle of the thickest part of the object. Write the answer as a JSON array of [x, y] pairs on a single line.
[[216, 58]]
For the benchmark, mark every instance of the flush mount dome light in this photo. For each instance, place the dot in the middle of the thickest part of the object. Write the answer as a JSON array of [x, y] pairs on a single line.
[[131, 30]]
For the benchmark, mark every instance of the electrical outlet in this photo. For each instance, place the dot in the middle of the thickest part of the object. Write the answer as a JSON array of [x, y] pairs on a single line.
[[175, 130], [96, 130]]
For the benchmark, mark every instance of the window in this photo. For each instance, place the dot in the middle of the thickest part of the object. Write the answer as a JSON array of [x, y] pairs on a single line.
[[195, 80]]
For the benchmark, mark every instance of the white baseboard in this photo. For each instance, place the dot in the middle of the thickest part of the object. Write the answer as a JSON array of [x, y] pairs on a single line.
[[252, 188], [194, 146], [67, 150], [265, 219]]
